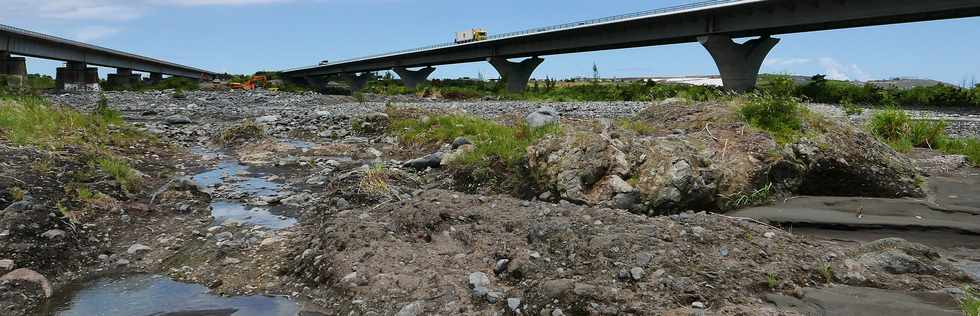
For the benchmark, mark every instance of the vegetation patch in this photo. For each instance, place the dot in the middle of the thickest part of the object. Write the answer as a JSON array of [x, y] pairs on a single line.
[[119, 170], [970, 302], [247, 131], [895, 127]]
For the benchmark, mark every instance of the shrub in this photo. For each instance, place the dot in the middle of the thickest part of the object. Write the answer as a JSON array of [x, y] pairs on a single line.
[[969, 147], [106, 114], [890, 124], [781, 116], [455, 93]]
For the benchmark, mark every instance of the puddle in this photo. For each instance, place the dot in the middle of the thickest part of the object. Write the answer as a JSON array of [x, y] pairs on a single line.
[[239, 178], [143, 295], [230, 176], [223, 210]]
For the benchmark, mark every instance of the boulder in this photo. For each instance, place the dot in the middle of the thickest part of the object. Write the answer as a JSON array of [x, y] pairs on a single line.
[[28, 275], [541, 117], [177, 119]]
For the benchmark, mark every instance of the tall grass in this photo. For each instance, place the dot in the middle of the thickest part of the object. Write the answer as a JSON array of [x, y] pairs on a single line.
[[896, 128]]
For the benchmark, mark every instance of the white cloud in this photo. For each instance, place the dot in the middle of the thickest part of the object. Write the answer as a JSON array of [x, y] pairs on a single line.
[[782, 62], [95, 33]]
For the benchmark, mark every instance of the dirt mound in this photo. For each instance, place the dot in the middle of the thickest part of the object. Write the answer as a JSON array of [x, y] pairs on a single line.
[[447, 253], [703, 157]]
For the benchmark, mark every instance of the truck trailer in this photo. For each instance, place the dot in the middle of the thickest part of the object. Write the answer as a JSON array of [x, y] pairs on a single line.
[[471, 35]]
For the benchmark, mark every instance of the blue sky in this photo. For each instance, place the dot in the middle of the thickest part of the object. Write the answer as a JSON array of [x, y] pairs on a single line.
[[243, 36]]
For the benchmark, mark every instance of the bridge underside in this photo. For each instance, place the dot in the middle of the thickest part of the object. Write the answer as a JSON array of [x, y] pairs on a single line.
[[740, 20]]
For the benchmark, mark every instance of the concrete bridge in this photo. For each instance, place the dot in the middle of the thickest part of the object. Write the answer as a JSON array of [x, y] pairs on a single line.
[[713, 24], [78, 56]]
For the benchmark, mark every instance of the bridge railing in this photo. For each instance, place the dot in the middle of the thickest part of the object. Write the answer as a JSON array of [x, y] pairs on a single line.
[[26, 33], [620, 17]]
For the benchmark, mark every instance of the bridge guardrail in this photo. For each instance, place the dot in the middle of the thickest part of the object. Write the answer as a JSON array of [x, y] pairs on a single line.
[[23, 32], [614, 18]]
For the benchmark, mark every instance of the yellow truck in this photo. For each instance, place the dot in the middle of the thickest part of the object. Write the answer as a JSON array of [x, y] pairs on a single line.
[[472, 35]]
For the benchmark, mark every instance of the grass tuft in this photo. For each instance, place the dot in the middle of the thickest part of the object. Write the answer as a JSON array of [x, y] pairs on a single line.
[[970, 302], [120, 171], [247, 131]]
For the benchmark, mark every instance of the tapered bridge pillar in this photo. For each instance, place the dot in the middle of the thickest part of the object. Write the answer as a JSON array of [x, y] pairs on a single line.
[[412, 78], [15, 66], [516, 75], [77, 76], [357, 82], [123, 78], [738, 64], [155, 77]]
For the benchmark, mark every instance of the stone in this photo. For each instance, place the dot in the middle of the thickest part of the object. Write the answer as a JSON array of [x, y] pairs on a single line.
[[230, 261], [643, 259], [177, 119], [541, 117], [412, 309], [422, 163], [6, 265], [769, 235], [460, 141], [697, 305], [514, 303], [636, 273], [54, 234], [297, 199], [479, 280], [374, 152], [349, 278], [501, 266], [267, 119], [224, 236], [138, 248], [28, 275]]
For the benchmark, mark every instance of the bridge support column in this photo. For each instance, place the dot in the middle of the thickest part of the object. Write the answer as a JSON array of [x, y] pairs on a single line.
[[738, 64], [123, 78], [15, 66], [412, 78], [516, 75], [357, 82], [155, 77], [77, 76]]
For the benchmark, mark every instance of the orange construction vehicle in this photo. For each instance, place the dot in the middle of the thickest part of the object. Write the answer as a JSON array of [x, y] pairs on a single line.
[[251, 84]]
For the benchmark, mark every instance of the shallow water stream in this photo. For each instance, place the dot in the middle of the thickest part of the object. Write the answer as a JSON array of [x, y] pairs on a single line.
[[143, 295]]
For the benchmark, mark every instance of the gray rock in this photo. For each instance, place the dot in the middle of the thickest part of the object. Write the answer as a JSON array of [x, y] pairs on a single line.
[[224, 236], [514, 303], [230, 261], [138, 248], [54, 234], [412, 309], [501, 266], [636, 273], [460, 141], [297, 199], [422, 163], [177, 119], [6, 265], [267, 119], [541, 117], [28, 275], [643, 259], [478, 280]]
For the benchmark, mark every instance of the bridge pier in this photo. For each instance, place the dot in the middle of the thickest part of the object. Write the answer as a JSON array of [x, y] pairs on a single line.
[[14, 66], [412, 78], [516, 75], [77, 76], [738, 64], [155, 77], [357, 82], [123, 78]]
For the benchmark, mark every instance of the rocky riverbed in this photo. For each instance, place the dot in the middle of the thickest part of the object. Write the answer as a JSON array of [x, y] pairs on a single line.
[[310, 201]]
